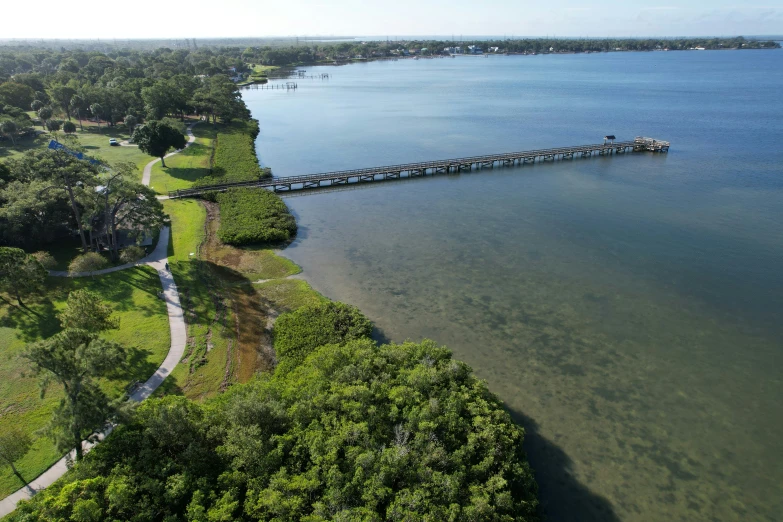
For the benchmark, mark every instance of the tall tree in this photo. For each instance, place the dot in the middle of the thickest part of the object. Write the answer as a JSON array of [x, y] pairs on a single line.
[[14, 444], [76, 358], [45, 113], [131, 121], [85, 310], [9, 128], [96, 110], [60, 171], [62, 94], [16, 94], [20, 273], [156, 138], [76, 103]]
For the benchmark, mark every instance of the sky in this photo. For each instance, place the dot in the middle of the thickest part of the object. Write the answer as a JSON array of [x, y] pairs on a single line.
[[103, 19]]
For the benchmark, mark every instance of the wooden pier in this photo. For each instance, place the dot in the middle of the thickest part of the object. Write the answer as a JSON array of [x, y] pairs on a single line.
[[412, 170]]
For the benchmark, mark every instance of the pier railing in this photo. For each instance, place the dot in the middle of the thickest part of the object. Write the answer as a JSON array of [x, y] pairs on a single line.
[[409, 170]]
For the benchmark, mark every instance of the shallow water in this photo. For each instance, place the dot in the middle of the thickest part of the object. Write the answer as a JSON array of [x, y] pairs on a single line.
[[626, 309]]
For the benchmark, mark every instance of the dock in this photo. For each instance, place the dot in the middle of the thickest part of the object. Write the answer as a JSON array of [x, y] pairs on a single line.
[[425, 168]]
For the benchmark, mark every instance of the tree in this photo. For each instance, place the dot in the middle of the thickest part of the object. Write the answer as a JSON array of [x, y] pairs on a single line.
[[45, 258], [62, 95], [96, 110], [20, 273], [14, 444], [156, 138], [53, 125], [125, 203], [62, 172], [131, 121], [36, 104], [299, 333], [45, 113], [75, 358], [69, 127], [160, 99], [16, 94], [9, 128], [85, 310], [76, 103]]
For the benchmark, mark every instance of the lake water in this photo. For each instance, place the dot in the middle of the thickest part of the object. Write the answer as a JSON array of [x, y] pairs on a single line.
[[627, 309]]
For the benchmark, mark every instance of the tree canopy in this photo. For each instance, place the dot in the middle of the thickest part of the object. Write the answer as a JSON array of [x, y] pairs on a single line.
[[156, 138], [356, 432]]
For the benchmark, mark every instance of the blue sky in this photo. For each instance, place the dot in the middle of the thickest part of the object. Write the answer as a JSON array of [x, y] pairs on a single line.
[[224, 18]]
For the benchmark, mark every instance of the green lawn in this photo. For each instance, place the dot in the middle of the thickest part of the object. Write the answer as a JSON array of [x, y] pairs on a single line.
[[188, 166], [143, 329]]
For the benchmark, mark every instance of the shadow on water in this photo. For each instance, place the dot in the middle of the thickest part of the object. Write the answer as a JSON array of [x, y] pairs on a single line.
[[563, 498]]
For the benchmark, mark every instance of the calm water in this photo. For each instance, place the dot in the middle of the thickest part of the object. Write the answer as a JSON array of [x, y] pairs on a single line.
[[627, 309]]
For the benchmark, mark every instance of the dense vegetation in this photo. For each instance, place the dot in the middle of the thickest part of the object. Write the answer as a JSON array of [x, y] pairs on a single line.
[[356, 432], [254, 216], [299, 333], [235, 156]]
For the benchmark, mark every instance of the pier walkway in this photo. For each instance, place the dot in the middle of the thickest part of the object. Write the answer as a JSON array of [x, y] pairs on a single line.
[[410, 170]]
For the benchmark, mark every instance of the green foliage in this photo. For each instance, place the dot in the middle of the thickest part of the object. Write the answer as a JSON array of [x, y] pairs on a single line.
[[69, 127], [298, 333], [46, 259], [254, 216], [89, 262], [16, 94], [14, 444], [156, 138], [235, 156], [131, 254], [356, 432], [85, 310], [20, 273]]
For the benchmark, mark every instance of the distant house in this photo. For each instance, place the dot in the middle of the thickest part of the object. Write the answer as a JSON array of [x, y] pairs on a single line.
[[494, 49], [474, 49]]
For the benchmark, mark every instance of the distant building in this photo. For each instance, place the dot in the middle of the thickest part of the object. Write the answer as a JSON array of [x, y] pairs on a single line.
[[474, 49], [494, 49]]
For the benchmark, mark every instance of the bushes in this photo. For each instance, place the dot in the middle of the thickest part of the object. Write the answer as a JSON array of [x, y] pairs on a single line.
[[88, 262], [356, 432], [253, 216], [131, 254], [235, 156], [299, 333]]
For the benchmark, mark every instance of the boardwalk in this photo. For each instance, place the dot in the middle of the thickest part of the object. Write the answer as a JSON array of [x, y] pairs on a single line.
[[410, 170]]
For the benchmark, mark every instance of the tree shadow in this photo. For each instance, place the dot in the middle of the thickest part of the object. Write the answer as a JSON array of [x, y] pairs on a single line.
[[36, 322], [562, 496]]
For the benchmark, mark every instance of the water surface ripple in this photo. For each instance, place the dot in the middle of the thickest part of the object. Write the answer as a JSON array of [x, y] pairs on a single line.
[[626, 309]]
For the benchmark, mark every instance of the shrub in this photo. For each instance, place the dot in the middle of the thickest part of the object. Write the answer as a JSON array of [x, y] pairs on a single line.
[[46, 259], [88, 262], [356, 432], [131, 254], [235, 156], [299, 333], [253, 216]]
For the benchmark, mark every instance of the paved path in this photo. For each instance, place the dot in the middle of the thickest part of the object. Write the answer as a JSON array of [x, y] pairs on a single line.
[[145, 178], [179, 333]]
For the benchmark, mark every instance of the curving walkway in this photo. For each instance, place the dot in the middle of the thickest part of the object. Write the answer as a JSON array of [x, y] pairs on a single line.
[[179, 334], [145, 177]]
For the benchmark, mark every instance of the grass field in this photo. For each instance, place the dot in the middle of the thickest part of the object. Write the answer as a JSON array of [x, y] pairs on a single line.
[[188, 166], [143, 329]]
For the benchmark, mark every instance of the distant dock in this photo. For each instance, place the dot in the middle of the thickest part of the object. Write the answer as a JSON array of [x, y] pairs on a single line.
[[425, 168]]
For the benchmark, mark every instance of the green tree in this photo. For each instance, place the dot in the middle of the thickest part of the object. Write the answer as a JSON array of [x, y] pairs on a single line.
[[9, 128], [53, 125], [156, 138], [96, 109], [75, 358], [14, 444], [69, 127], [60, 171], [298, 333], [45, 113], [36, 104], [16, 94], [85, 310], [20, 273], [76, 104], [131, 121], [62, 95]]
